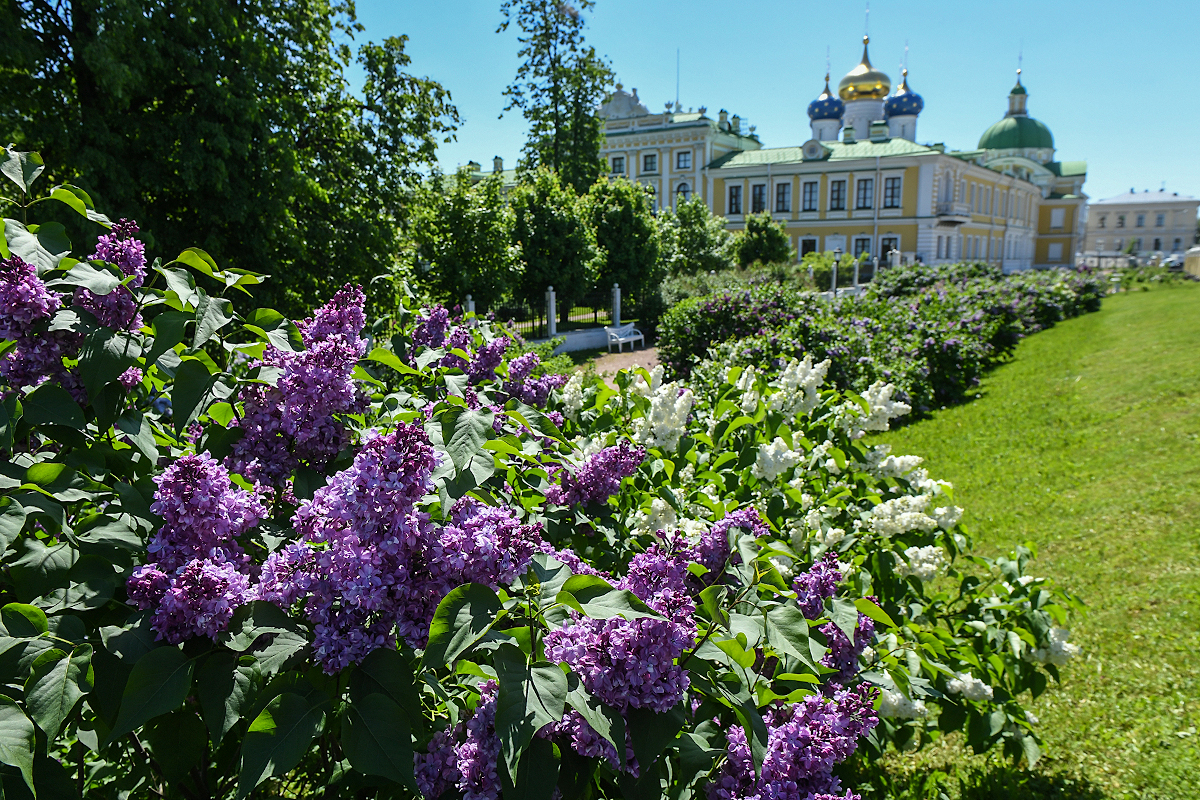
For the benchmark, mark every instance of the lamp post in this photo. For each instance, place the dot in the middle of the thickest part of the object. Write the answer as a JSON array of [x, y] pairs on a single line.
[[894, 258], [837, 257]]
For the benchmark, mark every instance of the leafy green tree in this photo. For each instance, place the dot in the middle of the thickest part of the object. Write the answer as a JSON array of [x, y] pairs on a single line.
[[227, 125], [627, 233], [463, 231], [558, 87], [557, 244], [764, 241], [693, 239]]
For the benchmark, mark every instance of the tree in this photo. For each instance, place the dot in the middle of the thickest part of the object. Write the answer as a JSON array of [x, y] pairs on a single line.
[[558, 87], [463, 232], [694, 240], [764, 241], [627, 233], [557, 244], [229, 126]]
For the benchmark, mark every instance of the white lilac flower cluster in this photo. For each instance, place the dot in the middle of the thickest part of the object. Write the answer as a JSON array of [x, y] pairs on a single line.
[[572, 396], [1058, 650], [666, 420], [883, 409], [774, 459], [924, 563], [882, 464], [797, 387], [896, 705], [970, 687], [901, 515], [745, 385]]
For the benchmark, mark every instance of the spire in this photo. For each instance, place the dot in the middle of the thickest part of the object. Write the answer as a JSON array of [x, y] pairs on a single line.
[[1017, 98]]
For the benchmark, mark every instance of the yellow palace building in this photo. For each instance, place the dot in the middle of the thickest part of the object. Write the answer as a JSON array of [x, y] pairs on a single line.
[[862, 183]]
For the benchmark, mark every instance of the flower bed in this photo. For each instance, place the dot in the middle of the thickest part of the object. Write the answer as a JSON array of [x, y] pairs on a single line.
[[245, 554], [932, 331]]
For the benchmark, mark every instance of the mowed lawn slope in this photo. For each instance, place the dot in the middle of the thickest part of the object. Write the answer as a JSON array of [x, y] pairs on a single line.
[[1087, 443]]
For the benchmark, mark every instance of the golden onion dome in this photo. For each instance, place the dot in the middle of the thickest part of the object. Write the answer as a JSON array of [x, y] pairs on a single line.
[[864, 82]]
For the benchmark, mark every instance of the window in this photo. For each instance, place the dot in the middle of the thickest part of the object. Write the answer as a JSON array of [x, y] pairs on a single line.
[[1099, 245], [807, 246], [837, 195], [1103, 222], [1178, 243], [1158, 244], [891, 192], [862, 247], [650, 163], [618, 165], [735, 200], [864, 194], [888, 244], [974, 207], [682, 193], [1141, 220], [1160, 220], [1120, 220], [683, 160], [783, 197], [810, 196], [1137, 244], [939, 247], [758, 198], [1057, 217], [1054, 251], [1120, 245]]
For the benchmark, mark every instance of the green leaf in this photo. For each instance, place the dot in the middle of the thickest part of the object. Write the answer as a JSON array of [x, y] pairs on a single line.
[[98, 280], [17, 739], [787, 632], [390, 359], [387, 672], [537, 774], [468, 429], [595, 597], [159, 683], [140, 433], [42, 568], [12, 521], [277, 329], [198, 259], [603, 720], [192, 384], [845, 616], [277, 739], [1033, 753], [43, 246], [752, 722], [57, 683], [868, 607], [529, 698], [225, 684], [212, 313], [51, 404], [80, 201], [181, 282], [23, 620], [21, 167], [462, 618], [267, 631], [168, 332], [104, 356], [178, 742], [377, 740], [651, 732]]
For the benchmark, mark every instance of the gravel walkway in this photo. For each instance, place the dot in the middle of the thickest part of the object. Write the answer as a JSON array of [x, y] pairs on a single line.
[[609, 364]]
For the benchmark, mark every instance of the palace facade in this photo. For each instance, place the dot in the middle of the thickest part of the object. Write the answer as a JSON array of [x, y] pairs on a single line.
[[862, 182]]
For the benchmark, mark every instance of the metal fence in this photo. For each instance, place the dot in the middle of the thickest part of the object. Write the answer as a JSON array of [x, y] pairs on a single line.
[[528, 321], [594, 310]]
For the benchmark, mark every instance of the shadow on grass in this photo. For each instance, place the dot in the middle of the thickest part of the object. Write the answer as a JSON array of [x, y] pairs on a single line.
[[991, 782]]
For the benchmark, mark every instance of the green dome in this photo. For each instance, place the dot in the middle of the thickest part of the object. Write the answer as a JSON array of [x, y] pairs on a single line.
[[1016, 133]]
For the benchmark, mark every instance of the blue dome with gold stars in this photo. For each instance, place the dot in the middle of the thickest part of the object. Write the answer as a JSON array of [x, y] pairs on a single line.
[[905, 101], [827, 106]]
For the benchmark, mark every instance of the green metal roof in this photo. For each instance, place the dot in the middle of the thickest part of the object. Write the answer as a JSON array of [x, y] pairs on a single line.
[[1066, 169], [1016, 133], [838, 151]]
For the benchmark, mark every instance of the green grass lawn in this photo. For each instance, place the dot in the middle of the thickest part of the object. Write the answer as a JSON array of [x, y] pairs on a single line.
[[1087, 443]]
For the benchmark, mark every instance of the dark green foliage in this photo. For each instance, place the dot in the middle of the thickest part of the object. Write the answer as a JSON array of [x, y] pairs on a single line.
[[694, 240], [558, 87], [764, 241], [227, 126], [463, 232], [627, 234], [557, 244]]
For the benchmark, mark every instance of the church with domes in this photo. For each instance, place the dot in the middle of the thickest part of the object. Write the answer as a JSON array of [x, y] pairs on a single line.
[[862, 181]]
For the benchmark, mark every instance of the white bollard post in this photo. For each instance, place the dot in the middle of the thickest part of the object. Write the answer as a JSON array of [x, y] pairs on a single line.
[[833, 280], [470, 305], [551, 316], [616, 305], [856, 263]]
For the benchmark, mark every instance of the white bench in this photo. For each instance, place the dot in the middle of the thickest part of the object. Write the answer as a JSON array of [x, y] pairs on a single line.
[[625, 333]]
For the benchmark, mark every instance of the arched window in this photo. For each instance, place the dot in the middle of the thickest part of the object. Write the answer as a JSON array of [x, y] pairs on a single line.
[[682, 193]]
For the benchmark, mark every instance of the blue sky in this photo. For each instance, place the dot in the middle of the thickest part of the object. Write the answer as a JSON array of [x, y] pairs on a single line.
[[1114, 81]]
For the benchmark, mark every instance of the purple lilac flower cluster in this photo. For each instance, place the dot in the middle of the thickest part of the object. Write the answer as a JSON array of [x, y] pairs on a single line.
[[804, 742], [296, 420], [812, 589], [26, 306], [485, 361], [714, 550], [198, 574], [371, 566], [431, 331], [599, 478], [118, 309], [471, 767], [531, 391]]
